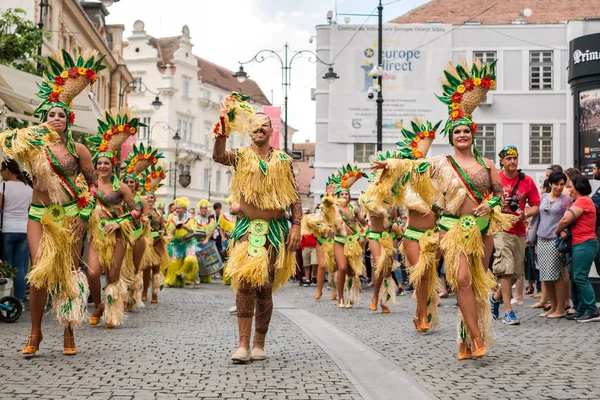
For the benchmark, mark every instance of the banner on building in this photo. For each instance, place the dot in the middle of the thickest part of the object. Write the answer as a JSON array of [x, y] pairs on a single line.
[[275, 114], [413, 62]]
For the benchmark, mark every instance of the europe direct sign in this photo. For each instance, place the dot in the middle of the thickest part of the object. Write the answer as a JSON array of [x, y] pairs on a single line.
[[413, 60]]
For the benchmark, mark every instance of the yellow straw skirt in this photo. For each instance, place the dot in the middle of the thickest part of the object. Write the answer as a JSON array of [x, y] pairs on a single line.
[[425, 267]]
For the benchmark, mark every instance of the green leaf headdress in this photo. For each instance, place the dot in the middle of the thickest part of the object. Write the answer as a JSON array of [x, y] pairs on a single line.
[[67, 77], [140, 159], [463, 91], [346, 177], [112, 133], [417, 141], [152, 178]]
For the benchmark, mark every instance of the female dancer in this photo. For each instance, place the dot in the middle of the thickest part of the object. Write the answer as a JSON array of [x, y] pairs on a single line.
[[472, 195], [138, 161], [61, 204], [152, 181], [111, 225], [348, 226], [315, 224]]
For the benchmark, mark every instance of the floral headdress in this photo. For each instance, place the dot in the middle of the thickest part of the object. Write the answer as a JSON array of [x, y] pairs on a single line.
[[330, 185], [464, 90], [346, 177], [66, 78], [140, 159], [112, 133], [235, 114], [416, 142], [152, 178]]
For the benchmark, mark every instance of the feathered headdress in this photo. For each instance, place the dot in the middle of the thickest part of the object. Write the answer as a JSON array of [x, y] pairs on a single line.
[[346, 177], [139, 160], [152, 178], [67, 77], [112, 133], [464, 90], [417, 141]]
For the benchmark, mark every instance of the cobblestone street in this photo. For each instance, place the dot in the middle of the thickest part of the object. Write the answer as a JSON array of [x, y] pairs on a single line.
[[180, 348]]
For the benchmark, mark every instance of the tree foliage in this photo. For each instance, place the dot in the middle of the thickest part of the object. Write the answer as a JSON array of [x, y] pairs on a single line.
[[19, 41]]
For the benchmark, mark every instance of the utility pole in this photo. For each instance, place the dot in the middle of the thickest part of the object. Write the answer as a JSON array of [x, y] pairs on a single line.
[[380, 80]]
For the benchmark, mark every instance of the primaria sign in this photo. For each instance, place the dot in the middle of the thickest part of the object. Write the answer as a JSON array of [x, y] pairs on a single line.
[[585, 56]]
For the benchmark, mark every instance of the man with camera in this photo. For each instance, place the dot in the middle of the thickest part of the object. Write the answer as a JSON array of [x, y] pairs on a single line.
[[509, 255]]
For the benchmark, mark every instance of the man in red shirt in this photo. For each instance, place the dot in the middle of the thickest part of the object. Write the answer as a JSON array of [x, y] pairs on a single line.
[[308, 246], [509, 254]]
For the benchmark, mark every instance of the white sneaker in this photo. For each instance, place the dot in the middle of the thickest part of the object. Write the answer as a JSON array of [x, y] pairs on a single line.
[[518, 303], [258, 354], [233, 310], [241, 356]]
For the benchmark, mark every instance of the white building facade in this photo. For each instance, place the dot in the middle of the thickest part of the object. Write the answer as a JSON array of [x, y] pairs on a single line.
[[190, 90], [530, 107]]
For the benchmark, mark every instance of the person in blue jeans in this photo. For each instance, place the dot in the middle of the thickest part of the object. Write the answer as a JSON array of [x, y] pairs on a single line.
[[15, 198], [581, 218]]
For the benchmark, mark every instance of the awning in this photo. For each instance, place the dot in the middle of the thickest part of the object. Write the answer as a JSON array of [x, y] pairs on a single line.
[[18, 89]]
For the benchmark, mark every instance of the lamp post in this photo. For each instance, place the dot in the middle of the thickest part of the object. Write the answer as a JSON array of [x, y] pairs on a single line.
[[286, 68], [43, 4], [156, 104], [379, 100], [163, 123], [176, 138]]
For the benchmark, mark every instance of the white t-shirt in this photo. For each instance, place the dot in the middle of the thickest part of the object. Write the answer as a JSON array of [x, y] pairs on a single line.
[[17, 198]]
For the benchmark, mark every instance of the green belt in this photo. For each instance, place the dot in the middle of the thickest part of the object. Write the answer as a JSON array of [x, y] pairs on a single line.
[[344, 239], [137, 232], [415, 234], [448, 222], [155, 235], [56, 211], [324, 240], [275, 231], [381, 235]]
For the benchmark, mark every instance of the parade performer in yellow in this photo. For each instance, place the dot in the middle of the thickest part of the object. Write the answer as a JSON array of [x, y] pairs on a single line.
[[226, 224], [206, 225], [151, 181], [139, 160], [262, 256], [112, 222], [420, 244], [349, 227], [472, 199], [63, 196], [315, 224], [183, 268]]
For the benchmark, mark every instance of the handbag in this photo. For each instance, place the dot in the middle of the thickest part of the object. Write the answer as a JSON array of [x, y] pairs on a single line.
[[563, 247]]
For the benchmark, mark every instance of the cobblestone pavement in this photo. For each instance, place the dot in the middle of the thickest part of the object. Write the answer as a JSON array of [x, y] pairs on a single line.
[[540, 359], [179, 348]]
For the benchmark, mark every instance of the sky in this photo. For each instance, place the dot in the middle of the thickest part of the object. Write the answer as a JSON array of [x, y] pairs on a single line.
[[227, 32]]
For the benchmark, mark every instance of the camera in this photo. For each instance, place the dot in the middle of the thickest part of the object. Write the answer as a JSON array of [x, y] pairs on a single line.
[[513, 203], [371, 92]]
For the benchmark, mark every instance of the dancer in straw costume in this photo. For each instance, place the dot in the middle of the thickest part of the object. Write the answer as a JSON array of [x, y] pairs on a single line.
[[63, 196], [263, 254]]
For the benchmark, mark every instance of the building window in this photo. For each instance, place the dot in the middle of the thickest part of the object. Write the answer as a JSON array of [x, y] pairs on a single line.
[[218, 182], [206, 94], [540, 70], [186, 88], [144, 131], [207, 178], [485, 141], [363, 152], [486, 57], [540, 137], [137, 85], [184, 127]]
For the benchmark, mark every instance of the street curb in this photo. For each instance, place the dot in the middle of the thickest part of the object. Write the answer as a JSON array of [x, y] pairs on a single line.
[[374, 376]]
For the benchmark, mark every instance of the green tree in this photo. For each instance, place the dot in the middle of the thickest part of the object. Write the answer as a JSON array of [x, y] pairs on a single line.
[[19, 41]]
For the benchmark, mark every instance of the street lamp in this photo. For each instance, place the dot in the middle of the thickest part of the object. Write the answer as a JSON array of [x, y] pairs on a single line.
[[176, 138], [43, 4], [286, 69], [141, 87]]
